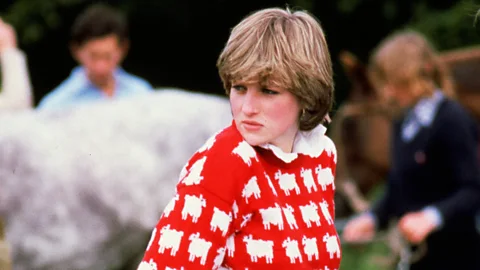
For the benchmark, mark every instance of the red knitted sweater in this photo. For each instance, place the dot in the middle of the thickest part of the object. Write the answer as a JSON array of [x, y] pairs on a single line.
[[244, 207]]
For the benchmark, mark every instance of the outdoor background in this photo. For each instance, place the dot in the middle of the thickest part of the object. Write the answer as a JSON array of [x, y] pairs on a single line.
[[175, 43]]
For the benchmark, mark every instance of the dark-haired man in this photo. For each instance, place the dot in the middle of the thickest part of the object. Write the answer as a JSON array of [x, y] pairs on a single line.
[[99, 42]]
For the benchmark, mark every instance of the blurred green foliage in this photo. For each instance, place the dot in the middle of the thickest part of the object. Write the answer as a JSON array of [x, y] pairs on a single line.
[[448, 24], [367, 257], [32, 19], [449, 28], [353, 25]]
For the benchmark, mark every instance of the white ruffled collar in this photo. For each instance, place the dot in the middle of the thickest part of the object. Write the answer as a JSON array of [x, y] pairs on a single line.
[[309, 143]]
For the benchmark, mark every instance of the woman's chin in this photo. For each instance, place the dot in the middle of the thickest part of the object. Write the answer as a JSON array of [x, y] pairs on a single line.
[[252, 139]]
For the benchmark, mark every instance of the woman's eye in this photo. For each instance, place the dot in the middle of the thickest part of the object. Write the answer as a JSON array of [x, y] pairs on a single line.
[[238, 87], [269, 92]]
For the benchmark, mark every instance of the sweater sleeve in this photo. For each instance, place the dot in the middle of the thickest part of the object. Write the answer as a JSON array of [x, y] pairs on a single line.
[[333, 166], [194, 227], [458, 135]]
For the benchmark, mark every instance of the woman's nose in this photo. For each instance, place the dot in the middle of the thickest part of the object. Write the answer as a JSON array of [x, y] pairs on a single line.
[[250, 103]]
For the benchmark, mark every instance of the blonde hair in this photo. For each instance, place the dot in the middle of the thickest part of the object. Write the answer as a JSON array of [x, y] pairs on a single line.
[[407, 58], [287, 49]]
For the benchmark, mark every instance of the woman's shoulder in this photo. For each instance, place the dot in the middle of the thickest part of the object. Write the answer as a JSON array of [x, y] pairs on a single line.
[[455, 123], [226, 150], [222, 163], [225, 143], [330, 147], [452, 112], [453, 108]]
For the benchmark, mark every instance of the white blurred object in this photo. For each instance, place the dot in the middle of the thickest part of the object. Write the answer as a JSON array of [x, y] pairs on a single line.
[[83, 188], [15, 89]]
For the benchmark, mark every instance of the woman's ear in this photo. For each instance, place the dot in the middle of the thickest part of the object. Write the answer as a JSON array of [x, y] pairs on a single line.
[[327, 119]]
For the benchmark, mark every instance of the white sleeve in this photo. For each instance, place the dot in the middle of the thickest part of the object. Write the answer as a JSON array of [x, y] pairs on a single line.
[[16, 87]]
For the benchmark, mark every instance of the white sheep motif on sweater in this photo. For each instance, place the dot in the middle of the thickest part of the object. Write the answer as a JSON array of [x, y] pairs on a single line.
[[220, 220], [246, 152], [308, 179], [310, 214], [230, 245], [251, 188], [287, 182], [151, 265], [194, 176], [193, 207], [292, 250], [310, 247], [170, 206], [272, 215], [219, 258], [325, 212], [324, 176], [258, 248], [169, 239], [332, 245], [198, 248]]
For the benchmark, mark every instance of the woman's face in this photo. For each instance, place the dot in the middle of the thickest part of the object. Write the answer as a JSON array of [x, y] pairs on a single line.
[[265, 114], [399, 96]]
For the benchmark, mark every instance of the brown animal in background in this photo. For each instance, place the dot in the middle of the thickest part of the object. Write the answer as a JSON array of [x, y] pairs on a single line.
[[361, 126]]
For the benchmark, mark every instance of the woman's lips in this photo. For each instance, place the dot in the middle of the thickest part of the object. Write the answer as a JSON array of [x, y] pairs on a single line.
[[251, 125]]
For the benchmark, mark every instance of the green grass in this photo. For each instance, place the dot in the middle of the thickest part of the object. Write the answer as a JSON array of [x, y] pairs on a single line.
[[363, 257]]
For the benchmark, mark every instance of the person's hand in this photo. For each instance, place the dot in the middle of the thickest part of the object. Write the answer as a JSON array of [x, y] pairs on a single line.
[[8, 38], [359, 229], [416, 226]]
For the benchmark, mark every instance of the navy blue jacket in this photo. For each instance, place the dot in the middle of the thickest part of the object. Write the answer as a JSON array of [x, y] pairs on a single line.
[[439, 167]]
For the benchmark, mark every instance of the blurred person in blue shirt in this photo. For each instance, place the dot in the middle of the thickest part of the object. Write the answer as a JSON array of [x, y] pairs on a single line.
[[99, 43]]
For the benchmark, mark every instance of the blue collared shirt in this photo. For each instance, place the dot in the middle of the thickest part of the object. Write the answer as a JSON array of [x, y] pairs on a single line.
[[421, 115], [77, 89]]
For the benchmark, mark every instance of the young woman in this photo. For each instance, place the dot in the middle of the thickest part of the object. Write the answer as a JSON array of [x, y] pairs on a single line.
[[433, 188], [259, 194]]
